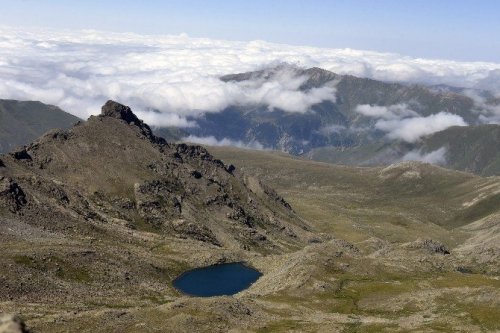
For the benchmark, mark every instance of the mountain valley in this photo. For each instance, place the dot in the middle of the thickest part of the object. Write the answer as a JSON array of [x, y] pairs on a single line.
[[97, 221]]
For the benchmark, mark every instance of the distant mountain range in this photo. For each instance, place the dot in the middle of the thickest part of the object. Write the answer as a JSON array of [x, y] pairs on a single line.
[[357, 127], [22, 122], [365, 122], [327, 123]]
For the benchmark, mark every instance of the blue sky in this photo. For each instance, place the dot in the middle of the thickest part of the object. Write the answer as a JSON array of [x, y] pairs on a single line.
[[459, 29]]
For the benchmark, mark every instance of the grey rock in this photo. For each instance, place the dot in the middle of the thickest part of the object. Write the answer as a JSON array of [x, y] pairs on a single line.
[[431, 246], [11, 194], [21, 154], [120, 111]]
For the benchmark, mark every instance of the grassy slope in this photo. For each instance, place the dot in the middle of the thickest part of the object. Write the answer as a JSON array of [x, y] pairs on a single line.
[[390, 202], [394, 205], [323, 287]]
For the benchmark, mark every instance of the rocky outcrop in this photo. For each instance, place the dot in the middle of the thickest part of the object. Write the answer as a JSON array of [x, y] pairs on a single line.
[[230, 168], [275, 196], [11, 195], [120, 111], [430, 245], [21, 154], [240, 215], [184, 151], [196, 231], [157, 201], [116, 110]]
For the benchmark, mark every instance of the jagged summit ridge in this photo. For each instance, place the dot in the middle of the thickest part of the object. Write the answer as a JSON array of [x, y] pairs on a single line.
[[123, 112], [120, 111]]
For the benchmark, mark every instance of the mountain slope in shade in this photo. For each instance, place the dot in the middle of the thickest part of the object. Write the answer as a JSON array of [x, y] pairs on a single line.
[[466, 148], [23, 121], [473, 148], [337, 132], [328, 123]]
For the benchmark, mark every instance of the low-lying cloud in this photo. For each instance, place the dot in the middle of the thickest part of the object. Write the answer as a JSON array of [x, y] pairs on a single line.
[[396, 111], [178, 75], [437, 156], [280, 89], [332, 129], [402, 123], [164, 119], [412, 129], [489, 113], [213, 141]]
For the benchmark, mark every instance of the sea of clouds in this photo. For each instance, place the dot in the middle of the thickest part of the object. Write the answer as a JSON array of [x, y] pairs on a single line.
[[170, 79], [179, 75]]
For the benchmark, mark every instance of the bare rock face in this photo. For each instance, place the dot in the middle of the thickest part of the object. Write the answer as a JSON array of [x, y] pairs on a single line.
[[12, 324], [430, 245], [11, 195], [21, 154], [157, 201], [120, 111]]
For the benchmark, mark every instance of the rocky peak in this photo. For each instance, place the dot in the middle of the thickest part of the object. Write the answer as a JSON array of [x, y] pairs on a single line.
[[113, 169], [11, 194], [119, 111]]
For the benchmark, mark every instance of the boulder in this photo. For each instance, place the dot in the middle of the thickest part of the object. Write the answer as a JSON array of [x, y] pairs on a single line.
[[430, 245], [116, 110], [12, 324], [21, 154], [11, 195], [119, 111]]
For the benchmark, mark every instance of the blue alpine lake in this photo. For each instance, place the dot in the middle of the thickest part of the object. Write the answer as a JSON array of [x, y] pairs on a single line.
[[217, 280]]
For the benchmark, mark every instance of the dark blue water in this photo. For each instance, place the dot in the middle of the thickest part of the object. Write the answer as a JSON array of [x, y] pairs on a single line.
[[217, 280]]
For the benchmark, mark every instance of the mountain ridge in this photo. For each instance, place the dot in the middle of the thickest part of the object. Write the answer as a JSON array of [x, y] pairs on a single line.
[[167, 187], [23, 121], [326, 123]]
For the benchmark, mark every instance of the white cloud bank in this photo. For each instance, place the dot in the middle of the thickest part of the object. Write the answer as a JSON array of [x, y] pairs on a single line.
[[280, 90], [396, 111], [412, 129], [402, 123], [212, 141], [178, 75], [437, 156], [488, 113]]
